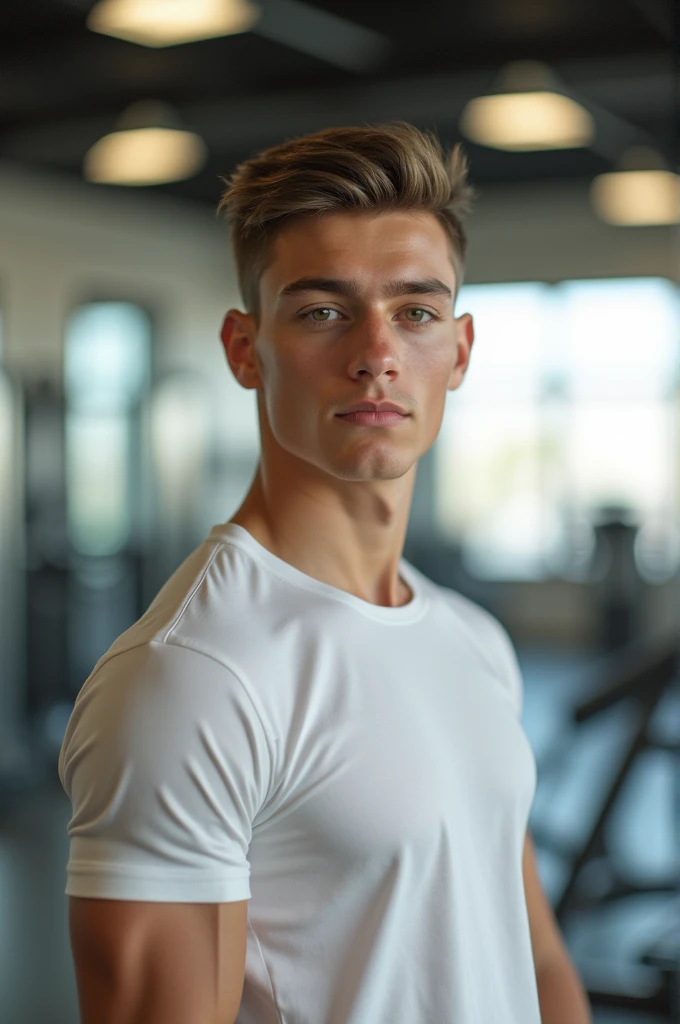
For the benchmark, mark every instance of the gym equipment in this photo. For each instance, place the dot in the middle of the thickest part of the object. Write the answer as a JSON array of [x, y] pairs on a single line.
[[644, 673]]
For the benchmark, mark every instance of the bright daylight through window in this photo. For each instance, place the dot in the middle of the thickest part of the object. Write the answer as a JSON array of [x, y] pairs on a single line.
[[570, 404]]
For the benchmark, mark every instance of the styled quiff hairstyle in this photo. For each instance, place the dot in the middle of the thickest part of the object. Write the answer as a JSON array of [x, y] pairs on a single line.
[[376, 168]]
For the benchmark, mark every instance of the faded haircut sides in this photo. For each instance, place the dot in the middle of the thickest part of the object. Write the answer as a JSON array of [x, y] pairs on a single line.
[[373, 168]]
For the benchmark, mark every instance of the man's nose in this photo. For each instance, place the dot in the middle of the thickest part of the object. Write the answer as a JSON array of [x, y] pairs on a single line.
[[375, 349]]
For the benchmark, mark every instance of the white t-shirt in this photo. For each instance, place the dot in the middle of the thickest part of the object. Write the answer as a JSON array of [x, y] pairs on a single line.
[[358, 773]]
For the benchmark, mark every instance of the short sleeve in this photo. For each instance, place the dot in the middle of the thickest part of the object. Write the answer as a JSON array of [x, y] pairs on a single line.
[[166, 763]]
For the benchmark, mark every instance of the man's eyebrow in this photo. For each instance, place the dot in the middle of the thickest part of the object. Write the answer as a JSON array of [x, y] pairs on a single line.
[[422, 286]]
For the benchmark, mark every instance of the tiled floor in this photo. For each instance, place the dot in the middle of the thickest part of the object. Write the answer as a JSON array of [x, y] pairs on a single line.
[[36, 974]]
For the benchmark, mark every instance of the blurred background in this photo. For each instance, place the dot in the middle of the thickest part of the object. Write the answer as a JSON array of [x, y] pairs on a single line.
[[551, 496]]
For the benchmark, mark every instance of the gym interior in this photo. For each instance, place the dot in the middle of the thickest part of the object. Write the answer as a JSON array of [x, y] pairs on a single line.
[[551, 496]]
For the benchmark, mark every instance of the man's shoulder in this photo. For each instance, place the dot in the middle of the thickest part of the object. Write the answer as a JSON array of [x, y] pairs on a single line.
[[488, 635], [189, 609], [217, 606]]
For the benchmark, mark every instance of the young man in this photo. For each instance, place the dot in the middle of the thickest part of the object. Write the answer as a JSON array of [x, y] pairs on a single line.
[[300, 782]]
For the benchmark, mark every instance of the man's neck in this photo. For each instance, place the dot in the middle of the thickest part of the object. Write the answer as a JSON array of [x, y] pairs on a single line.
[[315, 535]]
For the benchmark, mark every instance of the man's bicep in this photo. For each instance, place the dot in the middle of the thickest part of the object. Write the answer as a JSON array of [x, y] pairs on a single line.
[[163, 963]]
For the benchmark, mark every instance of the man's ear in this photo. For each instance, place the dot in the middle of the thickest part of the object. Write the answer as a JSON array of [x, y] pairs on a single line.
[[238, 333], [465, 336]]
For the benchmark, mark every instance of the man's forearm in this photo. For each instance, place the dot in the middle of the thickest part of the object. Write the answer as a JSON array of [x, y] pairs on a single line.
[[561, 995]]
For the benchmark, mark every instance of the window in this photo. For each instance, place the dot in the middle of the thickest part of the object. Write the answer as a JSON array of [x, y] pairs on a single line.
[[107, 370], [570, 403]]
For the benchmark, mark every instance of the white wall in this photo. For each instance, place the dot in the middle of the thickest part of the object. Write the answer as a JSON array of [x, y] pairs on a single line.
[[549, 233], [63, 242]]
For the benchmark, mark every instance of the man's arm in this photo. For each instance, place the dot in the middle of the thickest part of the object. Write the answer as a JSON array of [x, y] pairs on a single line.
[[561, 995], [158, 963]]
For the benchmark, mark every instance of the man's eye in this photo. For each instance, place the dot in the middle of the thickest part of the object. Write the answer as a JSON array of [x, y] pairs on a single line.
[[324, 315], [425, 311], [323, 310]]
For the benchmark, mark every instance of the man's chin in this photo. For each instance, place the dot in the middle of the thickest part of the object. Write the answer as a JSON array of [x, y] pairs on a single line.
[[355, 463], [370, 466]]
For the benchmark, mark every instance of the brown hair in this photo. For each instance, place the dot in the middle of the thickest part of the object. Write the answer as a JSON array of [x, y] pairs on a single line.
[[393, 166]]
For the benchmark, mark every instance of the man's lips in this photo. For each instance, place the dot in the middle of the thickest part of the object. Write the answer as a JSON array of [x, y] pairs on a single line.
[[373, 418], [369, 406]]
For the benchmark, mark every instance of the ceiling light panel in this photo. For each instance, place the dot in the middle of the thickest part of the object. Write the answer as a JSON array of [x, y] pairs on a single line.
[[145, 156], [527, 121], [636, 198], [171, 22]]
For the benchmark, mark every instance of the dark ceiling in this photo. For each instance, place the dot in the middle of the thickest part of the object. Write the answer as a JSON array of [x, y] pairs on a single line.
[[310, 65]]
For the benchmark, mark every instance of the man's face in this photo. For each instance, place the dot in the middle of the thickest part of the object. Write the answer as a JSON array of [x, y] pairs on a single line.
[[354, 307]]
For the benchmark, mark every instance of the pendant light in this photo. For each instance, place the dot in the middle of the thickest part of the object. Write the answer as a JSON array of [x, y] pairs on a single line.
[[528, 110], [149, 146], [171, 22], [641, 191]]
